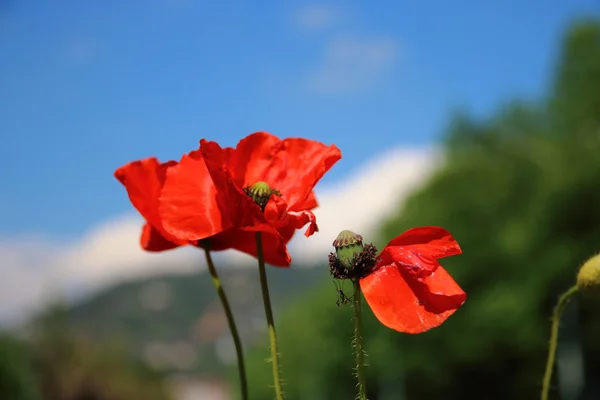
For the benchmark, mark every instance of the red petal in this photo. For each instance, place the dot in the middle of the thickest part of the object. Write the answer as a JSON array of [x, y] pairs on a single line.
[[410, 305], [277, 215], [296, 166], [276, 211], [292, 166], [191, 207], [143, 186], [408, 260], [428, 241], [244, 212], [143, 180], [299, 219], [249, 160], [152, 240], [309, 203], [274, 245]]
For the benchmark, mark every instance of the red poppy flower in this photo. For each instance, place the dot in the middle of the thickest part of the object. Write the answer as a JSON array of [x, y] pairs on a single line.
[[291, 166], [144, 180], [409, 291]]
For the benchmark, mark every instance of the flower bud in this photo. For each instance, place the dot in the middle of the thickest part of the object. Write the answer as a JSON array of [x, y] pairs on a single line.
[[348, 245], [261, 193], [588, 278]]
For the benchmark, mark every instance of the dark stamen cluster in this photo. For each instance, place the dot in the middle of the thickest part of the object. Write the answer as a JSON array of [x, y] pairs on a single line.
[[363, 264]]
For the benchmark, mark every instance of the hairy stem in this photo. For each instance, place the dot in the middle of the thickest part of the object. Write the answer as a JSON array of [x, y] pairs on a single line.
[[269, 314], [358, 342], [560, 305], [230, 320]]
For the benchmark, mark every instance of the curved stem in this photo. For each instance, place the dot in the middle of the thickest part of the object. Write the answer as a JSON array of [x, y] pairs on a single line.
[[560, 305], [358, 343], [232, 326], [269, 314]]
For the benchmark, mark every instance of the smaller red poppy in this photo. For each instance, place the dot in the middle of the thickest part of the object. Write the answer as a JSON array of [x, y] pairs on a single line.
[[408, 290]]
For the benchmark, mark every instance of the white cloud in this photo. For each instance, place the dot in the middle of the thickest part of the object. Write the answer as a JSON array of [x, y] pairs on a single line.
[[25, 272], [316, 17], [36, 269], [111, 252], [364, 200], [353, 64]]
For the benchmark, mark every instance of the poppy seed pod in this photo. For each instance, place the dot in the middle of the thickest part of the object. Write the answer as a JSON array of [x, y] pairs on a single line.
[[348, 245], [261, 193], [588, 278]]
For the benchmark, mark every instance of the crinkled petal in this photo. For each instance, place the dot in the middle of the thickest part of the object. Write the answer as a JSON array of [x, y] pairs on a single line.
[[143, 184], [192, 206], [299, 219], [296, 166], [428, 241], [293, 166], [274, 244], [409, 260], [309, 203], [249, 160], [410, 305], [277, 215], [243, 211], [143, 180], [276, 211], [152, 240]]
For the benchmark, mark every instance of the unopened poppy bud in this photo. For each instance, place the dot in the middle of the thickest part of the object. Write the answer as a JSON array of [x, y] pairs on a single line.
[[348, 245], [588, 278], [261, 193]]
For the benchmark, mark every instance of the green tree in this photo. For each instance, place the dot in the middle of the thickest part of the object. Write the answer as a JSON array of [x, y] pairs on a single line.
[[575, 98], [17, 379], [70, 368], [519, 192]]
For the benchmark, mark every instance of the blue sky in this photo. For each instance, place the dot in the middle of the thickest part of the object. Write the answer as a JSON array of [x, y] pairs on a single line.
[[88, 86]]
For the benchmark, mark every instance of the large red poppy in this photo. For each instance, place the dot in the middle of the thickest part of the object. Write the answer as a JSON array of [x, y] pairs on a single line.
[[291, 166], [144, 180], [409, 291]]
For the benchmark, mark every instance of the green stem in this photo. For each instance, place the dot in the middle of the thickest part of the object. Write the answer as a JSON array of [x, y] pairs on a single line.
[[232, 326], [358, 342], [560, 305], [269, 314]]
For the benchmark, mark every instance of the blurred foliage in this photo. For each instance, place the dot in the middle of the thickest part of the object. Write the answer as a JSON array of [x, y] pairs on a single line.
[[71, 369], [519, 191], [17, 377], [53, 361], [576, 98], [94, 349], [119, 312]]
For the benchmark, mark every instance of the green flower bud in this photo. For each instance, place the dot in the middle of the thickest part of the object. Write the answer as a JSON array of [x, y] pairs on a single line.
[[348, 246], [588, 278], [261, 193]]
